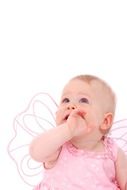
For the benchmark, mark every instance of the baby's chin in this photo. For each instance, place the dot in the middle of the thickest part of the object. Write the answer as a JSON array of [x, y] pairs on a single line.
[[61, 123]]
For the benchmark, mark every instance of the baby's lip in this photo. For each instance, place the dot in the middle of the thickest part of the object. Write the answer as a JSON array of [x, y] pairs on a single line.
[[82, 115]]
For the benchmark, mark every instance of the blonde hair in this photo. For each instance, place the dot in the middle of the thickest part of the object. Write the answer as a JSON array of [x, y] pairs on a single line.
[[104, 89]]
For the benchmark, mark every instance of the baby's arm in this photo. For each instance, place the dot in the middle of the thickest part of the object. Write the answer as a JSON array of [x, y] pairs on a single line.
[[46, 147], [121, 169]]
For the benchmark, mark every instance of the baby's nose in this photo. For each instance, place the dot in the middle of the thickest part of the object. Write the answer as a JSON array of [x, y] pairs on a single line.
[[71, 107]]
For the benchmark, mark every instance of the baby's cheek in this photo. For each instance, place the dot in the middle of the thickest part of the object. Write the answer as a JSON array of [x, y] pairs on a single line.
[[58, 117], [58, 121], [92, 124]]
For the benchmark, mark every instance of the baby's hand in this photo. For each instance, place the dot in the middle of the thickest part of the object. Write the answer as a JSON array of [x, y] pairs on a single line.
[[76, 123]]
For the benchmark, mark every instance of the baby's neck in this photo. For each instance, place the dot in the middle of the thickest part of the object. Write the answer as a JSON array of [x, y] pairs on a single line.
[[87, 144]]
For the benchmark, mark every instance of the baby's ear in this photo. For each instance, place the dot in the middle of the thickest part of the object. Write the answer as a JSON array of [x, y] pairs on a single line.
[[107, 121]]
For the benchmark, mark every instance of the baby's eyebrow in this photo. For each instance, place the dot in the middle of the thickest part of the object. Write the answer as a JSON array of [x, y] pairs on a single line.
[[71, 93], [66, 93], [84, 94]]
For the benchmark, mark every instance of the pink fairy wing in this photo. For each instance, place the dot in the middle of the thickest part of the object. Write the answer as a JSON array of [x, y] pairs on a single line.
[[119, 133], [37, 117]]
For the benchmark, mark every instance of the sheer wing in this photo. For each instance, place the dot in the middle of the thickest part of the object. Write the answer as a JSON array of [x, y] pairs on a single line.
[[119, 133], [37, 117]]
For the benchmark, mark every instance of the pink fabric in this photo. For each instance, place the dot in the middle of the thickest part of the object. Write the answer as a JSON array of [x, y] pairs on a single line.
[[82, 170]]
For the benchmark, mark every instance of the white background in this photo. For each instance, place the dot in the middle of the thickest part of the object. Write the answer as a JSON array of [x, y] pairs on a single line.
[[45, 43]]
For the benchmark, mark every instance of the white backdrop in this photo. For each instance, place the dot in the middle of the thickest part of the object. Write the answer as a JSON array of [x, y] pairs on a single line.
[[45, 43]]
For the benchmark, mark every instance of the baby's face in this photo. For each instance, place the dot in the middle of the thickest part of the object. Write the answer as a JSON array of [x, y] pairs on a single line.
[[78, 94]]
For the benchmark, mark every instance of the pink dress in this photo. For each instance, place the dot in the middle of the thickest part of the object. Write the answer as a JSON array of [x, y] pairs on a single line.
[[77, 169]]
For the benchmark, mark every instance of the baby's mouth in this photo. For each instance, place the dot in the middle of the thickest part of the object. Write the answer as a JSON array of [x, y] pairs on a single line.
[[80, 114], [66, 117]]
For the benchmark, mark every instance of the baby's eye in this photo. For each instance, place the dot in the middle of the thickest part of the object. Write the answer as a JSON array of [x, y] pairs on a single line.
[[84, 100], [65, 100]]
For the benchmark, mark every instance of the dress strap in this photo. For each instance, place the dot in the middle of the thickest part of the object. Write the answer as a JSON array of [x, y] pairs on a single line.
[[111, 147]]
